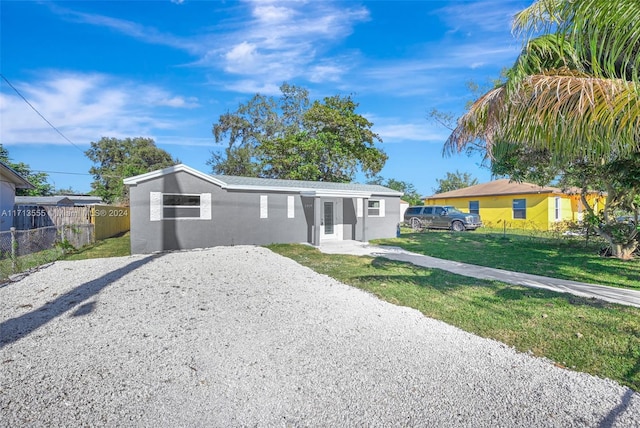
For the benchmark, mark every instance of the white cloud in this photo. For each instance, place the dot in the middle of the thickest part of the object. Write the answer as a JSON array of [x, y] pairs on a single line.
[[272, 41], [271, 14], [397, 130], [85, 107], [484, 15]]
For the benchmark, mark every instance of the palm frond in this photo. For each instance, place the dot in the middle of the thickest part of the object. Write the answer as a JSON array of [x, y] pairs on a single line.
[[606, 33], [569, 113]]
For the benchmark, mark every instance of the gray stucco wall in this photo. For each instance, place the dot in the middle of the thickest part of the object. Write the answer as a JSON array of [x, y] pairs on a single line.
[[235, 217]]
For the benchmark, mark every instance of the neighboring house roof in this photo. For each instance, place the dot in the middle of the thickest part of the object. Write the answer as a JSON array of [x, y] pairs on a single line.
[[12, 176], [44, 200], [85, 199], [502, 187], [305, 188]]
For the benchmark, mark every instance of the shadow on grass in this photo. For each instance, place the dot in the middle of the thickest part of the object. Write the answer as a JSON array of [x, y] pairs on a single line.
[[520, 293], [16, 328], [418, 276]]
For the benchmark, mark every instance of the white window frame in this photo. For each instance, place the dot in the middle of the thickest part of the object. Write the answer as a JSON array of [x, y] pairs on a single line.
[[557, 205], [513, 213], [380, 208], [477, 202], [156, 206]]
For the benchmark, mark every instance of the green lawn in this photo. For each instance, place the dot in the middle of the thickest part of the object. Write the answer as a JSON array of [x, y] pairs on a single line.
[[581, 334], [111, 247], [559, 258]]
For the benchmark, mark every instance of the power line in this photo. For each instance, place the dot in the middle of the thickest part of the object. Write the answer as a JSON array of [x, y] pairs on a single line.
[[39, 114], [61, 172], [76, 173]]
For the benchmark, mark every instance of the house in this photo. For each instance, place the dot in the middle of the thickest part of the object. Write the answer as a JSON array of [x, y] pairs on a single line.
[[48, 201], [518, 205], [182, 208], [10, 180], [84, 200]]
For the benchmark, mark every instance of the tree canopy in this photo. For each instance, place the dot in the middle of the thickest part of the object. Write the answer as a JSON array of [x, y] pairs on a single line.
[[574, 90], [116, 159], [411, 195], [453, 181], [38, 179], [291, 137]]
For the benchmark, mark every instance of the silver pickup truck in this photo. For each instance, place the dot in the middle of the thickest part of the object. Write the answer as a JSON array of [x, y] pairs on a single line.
[[440, 217]]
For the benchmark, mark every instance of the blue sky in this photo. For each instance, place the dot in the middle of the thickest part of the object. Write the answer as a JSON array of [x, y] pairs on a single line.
[[168, 70]]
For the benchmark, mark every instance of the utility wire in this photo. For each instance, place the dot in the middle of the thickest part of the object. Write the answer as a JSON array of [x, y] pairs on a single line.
[[39, 114], [61, 172]]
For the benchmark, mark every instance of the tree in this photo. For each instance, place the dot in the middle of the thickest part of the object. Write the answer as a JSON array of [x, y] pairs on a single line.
[[117, 159], [453, 181], [291, 138], [572, 99], [410, 193], [38, 179]]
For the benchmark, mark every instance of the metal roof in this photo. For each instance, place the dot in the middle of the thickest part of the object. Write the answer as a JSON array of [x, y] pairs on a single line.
[[43, 200], [300, 185], [306, 188]]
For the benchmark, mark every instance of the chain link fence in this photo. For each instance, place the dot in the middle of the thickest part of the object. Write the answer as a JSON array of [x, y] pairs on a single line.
[[21, 250]]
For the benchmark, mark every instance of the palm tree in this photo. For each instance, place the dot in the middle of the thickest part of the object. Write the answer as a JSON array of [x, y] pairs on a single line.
[[574, 91]]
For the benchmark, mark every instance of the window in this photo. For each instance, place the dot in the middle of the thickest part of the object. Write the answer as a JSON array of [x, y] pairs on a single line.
[[474, 207], [428, 210], [557, 208], [413, 211], [520, 208], [179, 206], [375, 208]]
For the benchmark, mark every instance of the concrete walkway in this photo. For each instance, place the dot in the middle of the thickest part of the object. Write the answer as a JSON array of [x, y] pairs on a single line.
[[610, 294]]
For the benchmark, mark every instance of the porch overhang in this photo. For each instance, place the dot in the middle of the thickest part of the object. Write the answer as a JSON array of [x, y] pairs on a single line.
[[323, 193]]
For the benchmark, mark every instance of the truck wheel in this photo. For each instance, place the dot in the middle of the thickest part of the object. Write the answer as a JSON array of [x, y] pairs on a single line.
[[416, 224], [457, 226]]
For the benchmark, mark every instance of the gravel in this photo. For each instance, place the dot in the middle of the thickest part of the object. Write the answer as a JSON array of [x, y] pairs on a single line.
[[239, 336]]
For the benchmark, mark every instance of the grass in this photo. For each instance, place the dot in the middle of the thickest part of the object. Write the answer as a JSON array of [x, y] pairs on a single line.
[[110, 247], [29, 261], [116, 246], [577, 333], [558, 258]]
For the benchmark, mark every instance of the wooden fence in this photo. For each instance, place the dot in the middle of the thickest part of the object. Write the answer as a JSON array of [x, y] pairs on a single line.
[[107, 220]]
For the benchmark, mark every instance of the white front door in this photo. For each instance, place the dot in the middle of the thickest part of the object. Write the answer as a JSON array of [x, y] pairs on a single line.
[[328, 226], [329, 229]]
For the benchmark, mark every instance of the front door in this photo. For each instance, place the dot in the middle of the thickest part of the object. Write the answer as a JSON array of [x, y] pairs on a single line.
[[328, 227]]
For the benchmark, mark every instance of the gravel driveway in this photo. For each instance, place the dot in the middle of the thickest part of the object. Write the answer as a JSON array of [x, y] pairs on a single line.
[[239, 336]]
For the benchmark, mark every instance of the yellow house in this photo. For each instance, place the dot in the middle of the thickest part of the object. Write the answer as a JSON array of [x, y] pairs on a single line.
[[503, 203]]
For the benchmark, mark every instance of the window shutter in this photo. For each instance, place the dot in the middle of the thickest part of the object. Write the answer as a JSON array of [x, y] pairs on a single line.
[[205, 206], [264, 206], [382, 201], [359, 207], [290, 207], [155, 206]]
